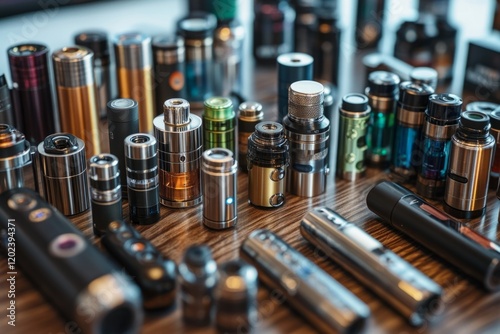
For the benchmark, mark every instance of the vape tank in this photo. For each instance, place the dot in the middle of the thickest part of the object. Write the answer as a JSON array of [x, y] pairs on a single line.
[[250, 114], [382, 92], [424, 75], [308, 133], [441, 122], [178, 134], [352, 146], [14, 155], [471, 155], [267, 164], [219, 124], [495, 132], [408, 152]]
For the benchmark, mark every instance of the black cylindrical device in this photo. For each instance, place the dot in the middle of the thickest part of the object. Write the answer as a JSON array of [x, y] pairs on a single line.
[[123, 120]]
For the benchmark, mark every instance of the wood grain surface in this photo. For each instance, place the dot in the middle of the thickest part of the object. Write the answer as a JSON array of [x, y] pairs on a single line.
[[466, 307]]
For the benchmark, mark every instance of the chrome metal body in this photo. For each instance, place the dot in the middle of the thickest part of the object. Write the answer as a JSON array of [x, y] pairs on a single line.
[[14, 156]]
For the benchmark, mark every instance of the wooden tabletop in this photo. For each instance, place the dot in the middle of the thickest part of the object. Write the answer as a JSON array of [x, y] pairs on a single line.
[[466, 307]]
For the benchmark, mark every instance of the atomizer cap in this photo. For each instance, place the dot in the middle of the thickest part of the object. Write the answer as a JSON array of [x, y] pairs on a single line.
[[383, 83], [355, 102], [475, 120], [444, 106]]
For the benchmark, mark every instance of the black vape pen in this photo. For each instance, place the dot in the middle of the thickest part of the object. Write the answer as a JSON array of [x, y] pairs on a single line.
[[455, 242]]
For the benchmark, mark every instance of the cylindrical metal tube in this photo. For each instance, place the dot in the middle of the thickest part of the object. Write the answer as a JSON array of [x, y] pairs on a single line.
[[134, 69], [105, 191], [408, 153], [220, 207], [292, 67], [236, 297], [250, 114], [14, 155], [76, 95], [198, 278], [64, 173], [352, 148], [142, 178], [326, 49], [267, 164], [471, 156], [424, 75], [169, 64], [382, 92], [31, 95], [219, 124], [179, 137], [123, 120], [6, 110], [441, 121], [495, 132], [308, 133], [197, 29], [97, 41]]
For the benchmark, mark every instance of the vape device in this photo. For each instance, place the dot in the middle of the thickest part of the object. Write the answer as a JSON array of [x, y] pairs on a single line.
[[408, 150], [440, 123], [236, 297], [308, 133], [352, 144], [304, 25], [369, 23], [178, 133], [6, 110], [424, 75], [154, 273], [123, 120], [33, 108], [410, 292], [197, 29], [142, 178], [76, 95], [471, 156], [314, 294], [228, 49], [219, 124], [219, 184], [267, 164], [272, 30], [134, 70], [326, 49], [14, 156], [249, 115], [382, 93], [450, 239], [169, 57], [495, 132], [76, 278], [63, 165], [483, 106], [197, 275], [105, 191], [292, 67], [97, 42]]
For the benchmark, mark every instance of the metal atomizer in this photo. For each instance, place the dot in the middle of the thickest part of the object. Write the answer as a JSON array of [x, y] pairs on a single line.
[[382, 92], [219, 124], [169, 66], [308, 133], [267, 164], [236, 297], [97, 41], [123, 120], [134, 69], [228, 49], [197, 29], [495, 132], [14, 156], [63, 169], [178, 133], [441, 121], [76, 95], [142, 178], [424, 75], [105, 191], [31, 95], [197, 274], [6, 110], [352, 144], [219, 183], [471, 155], [408, 153], [250, 114], [292, 67]]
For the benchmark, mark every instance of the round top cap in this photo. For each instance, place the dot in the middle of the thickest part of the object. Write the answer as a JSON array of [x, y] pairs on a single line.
[[176, 112], [197, 25], [383, 83], [495, 119], [426, 75], [218, 108], [295, 59], [269, 129], [197, 256], [444, 106], [414, 94], [475, 120], [355, 102], [123, 110], [97, 41]]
